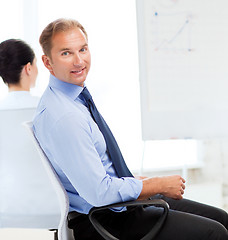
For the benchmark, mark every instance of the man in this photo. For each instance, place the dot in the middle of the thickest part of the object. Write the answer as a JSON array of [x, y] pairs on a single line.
[[70, 133]]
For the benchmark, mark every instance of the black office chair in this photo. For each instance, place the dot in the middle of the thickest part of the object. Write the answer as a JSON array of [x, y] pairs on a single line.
[[108, 236]]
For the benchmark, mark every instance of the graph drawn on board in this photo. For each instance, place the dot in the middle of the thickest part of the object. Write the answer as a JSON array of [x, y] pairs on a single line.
[[179, 36], [170, 27]]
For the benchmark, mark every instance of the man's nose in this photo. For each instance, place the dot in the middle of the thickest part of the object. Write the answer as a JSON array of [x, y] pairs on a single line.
[[77, 60]]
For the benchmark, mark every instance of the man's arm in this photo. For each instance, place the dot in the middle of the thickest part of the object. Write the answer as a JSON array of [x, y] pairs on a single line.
[[170, 186]]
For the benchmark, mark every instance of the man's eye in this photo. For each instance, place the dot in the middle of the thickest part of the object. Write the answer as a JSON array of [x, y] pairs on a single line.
[[83, 50], [65, 53]]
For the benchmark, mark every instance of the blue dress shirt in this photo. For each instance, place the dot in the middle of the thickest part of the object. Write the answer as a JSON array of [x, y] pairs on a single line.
[[77, 150]]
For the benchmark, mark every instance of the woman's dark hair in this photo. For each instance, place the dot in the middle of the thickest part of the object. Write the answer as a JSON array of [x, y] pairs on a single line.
[[14, 55]]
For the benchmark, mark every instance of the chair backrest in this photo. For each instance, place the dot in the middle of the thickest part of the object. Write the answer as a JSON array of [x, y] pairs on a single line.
[[27, 198], [63, 232]]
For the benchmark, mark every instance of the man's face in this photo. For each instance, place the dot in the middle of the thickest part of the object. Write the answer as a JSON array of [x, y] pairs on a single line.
[[70, 57]]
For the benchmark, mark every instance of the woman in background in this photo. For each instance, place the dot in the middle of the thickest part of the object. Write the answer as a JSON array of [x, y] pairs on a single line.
[[24, 185], [18, 70]]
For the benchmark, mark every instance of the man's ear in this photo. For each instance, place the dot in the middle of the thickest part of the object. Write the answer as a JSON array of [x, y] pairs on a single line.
[[47, 62]]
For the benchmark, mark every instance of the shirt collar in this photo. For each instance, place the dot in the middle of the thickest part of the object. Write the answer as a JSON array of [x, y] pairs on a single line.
[[69, 89]]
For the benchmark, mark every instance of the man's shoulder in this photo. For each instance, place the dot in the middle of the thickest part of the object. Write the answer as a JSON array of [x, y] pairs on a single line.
[[55, 106]]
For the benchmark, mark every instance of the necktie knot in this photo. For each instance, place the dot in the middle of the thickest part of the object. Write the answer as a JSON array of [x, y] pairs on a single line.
[[85, 93]]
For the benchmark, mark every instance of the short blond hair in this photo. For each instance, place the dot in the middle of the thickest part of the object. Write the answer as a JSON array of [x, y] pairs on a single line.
[[59, 25]]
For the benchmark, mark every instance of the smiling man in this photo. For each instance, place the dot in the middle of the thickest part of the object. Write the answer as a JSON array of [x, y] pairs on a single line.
[[69, 59], [86, 157]]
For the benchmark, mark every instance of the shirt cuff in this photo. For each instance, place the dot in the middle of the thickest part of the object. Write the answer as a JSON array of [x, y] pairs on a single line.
[[130, 189]]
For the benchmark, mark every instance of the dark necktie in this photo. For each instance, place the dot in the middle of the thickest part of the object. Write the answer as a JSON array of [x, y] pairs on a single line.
[[112, 146]]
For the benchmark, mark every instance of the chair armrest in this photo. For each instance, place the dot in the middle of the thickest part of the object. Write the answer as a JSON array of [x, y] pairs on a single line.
[[150, 235]]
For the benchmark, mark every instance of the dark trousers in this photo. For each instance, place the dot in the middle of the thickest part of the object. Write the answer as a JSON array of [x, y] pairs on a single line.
[[187, 220]]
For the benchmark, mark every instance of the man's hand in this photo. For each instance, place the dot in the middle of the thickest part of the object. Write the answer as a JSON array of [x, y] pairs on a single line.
[[170, 186], [173, 186]]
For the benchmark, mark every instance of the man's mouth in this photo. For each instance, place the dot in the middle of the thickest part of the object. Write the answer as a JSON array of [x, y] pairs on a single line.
[[78, 71]]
